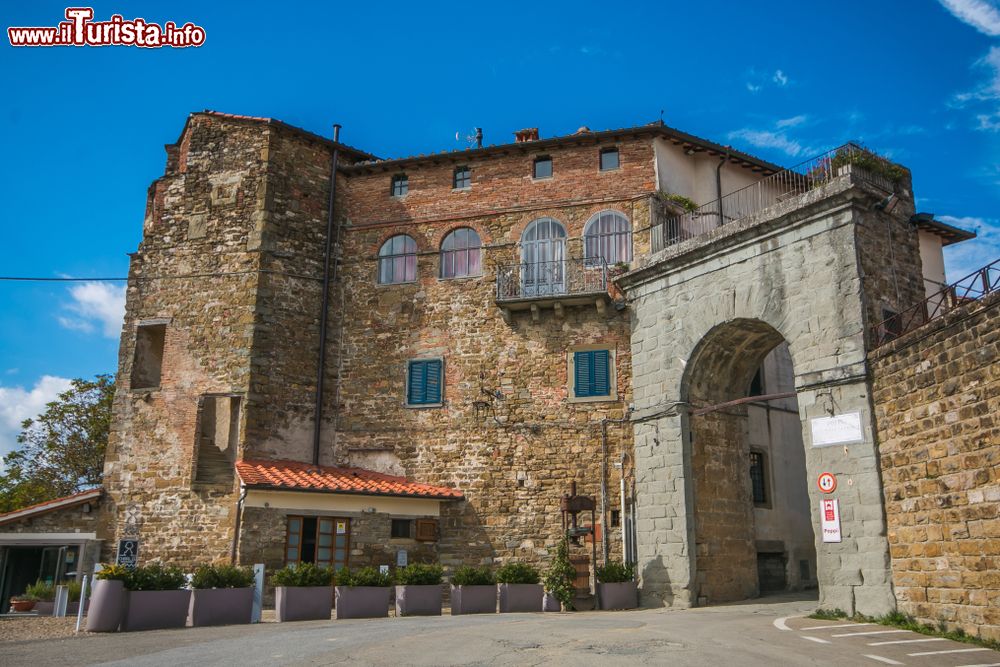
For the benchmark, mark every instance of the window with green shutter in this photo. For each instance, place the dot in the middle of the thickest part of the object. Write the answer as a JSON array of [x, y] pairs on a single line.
[[423, 382], [592, 373]]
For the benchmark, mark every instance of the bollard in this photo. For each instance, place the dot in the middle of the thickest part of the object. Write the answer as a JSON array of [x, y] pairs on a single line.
[[61, 600]]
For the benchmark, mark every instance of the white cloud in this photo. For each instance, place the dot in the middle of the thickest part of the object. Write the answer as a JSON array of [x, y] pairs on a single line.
[[987, 95], [753, 88], [961, 259], [983, 15], [97, 304], [780, 78], [794, 121], [18, 404], [768, 139]]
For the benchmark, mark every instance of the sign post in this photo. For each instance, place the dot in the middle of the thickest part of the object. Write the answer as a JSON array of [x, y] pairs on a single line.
[[128, 553], [827, 482]]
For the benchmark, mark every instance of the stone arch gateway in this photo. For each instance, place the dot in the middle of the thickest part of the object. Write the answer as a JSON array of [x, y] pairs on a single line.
[[813, 275]]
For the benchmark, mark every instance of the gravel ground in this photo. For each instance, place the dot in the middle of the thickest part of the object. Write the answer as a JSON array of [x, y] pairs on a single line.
[[35, 627]]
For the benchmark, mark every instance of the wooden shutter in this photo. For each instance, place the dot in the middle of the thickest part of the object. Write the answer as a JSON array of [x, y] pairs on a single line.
[[582, 362], [324, 542], [432, 379], [592, 373], [293, 540], [426, 530], [602, 377], [415, 390], [424, 382]]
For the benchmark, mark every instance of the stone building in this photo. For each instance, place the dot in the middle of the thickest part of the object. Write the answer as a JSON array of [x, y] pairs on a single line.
[[684, 331]]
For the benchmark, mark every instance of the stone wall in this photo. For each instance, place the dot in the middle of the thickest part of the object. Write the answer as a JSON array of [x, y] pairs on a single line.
[[937, 401]]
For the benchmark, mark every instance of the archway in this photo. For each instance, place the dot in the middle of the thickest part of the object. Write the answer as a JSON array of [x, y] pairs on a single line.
[[752, 529]]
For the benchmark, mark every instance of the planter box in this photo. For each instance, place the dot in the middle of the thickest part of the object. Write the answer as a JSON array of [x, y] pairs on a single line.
[[48, 607], [155, 610], [107, 606], [363, 601], [520, 597], [418, 600], [473, 600], [551, 603], [623, 595], [303, 603], [220, 606]]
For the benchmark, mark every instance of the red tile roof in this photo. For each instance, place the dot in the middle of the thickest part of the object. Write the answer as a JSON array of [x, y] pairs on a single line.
[[296, 476], [52, 505]]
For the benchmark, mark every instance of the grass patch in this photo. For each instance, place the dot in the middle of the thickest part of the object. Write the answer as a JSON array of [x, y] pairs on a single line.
[[897, 619]]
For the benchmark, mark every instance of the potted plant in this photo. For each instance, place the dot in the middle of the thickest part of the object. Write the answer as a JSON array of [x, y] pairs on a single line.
[[363, 593], [616, 587], [155, 598], [107, 602], [45, 593], [559, 580], [221, 595], [23, 603], [473, 591], [518, 588], [418, 590], [303, 592]]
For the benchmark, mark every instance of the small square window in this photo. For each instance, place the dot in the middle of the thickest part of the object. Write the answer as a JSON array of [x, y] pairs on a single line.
[[462, 178], [542, 167], [424, 382], [400, 185], [616, 518], [591, 373], [609, 159], [402, 529]]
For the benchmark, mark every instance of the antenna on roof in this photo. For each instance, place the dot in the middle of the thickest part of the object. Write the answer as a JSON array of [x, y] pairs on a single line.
[[661, 116], [474, 140]]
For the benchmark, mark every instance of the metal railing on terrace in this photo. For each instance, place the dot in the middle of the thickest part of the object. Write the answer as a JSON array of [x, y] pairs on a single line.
[[969, 289], [774, 189], [552, 279]]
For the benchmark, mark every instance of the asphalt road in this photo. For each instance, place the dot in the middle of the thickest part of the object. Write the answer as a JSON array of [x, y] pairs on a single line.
[[774, 632]]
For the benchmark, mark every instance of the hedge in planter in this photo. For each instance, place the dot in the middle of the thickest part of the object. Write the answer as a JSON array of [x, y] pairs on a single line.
[[518, 588], [148, 597], [45, 593], [473, 591], [363, 593], [303, 592], [616, 588], [222, 595], [418, 590]]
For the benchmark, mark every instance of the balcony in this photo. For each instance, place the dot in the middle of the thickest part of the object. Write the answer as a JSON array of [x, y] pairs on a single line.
[[667, 230], [554, 284]]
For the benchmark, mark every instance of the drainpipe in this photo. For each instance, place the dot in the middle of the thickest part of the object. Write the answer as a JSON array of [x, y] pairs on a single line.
[[239, 521], [623, 522], [718, 184], [325, 300]]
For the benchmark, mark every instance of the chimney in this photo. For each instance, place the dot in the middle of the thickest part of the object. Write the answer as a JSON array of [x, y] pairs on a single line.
[[527, 134], [479, 137]]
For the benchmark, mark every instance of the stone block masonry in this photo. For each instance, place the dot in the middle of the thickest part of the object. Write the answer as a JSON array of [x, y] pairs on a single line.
[[937, 407]]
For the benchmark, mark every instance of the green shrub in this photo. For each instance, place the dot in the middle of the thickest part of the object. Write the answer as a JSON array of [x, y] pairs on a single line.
[[303, 574], [152, 577], [366, 576], [43, 590], [222, 576], [114, 572], [561, 576], [615, 572], [419, 574], [517, 573], [474, 576], [686, 203]]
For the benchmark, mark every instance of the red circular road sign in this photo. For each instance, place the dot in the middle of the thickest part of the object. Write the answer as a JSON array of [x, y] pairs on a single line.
[[827, 483]]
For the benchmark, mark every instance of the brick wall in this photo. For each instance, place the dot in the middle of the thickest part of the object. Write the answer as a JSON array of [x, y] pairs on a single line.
[[937, 397]]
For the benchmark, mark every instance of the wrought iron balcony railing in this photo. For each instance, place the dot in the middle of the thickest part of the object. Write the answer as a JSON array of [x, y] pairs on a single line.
[[552, 280], [969, 289], [774, 189]]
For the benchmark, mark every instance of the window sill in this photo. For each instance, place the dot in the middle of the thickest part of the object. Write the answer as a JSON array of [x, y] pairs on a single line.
[[458, 190], [421, 406], [612, 398], [475, 277], [537, 179], [608, 171], [408, 282]]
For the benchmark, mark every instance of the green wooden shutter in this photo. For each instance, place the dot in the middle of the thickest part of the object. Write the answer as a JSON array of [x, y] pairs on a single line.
[[432, 381], [415, 388], [602, 377], [582, 363], [424, 382], [592, 373]]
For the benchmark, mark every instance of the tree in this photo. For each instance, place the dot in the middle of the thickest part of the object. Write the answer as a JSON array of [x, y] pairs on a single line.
[[61, 451]]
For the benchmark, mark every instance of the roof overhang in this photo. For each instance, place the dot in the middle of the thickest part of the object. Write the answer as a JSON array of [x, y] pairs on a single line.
[[949, 234], [51, 506]]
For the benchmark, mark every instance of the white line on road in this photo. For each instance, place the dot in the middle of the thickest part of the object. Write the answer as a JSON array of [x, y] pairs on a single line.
[[908, 641], [834, 627], [888, 661], [780, 623], [868, 632], [816, 639], [954, 650], [983, 664]]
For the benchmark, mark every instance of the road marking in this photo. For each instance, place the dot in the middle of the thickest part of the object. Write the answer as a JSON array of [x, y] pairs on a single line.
[[954, 650], [816, 639], [834, 627], [888, 661], [780, 623], [985, 664], [868, 632], [908, 641]]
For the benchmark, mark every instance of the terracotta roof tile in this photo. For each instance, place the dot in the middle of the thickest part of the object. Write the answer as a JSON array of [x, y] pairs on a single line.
[[297, 476], [52, 505]]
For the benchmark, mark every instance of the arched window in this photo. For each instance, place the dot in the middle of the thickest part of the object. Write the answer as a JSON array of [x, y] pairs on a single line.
[[397, 260], [460, 254], [608, 235], [543, 251]]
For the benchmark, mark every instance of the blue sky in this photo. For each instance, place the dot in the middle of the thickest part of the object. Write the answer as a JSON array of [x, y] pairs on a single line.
[[83, 128]]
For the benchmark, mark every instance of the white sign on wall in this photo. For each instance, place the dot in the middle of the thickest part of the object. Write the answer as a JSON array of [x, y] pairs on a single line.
[[836, 430], [830, 519]]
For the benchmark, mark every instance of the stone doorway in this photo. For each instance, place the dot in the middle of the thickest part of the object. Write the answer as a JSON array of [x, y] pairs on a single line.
[[752, 526]]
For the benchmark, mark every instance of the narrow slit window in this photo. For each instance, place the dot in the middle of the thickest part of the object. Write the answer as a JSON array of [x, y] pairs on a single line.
[[147, 362], [758, 479]]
